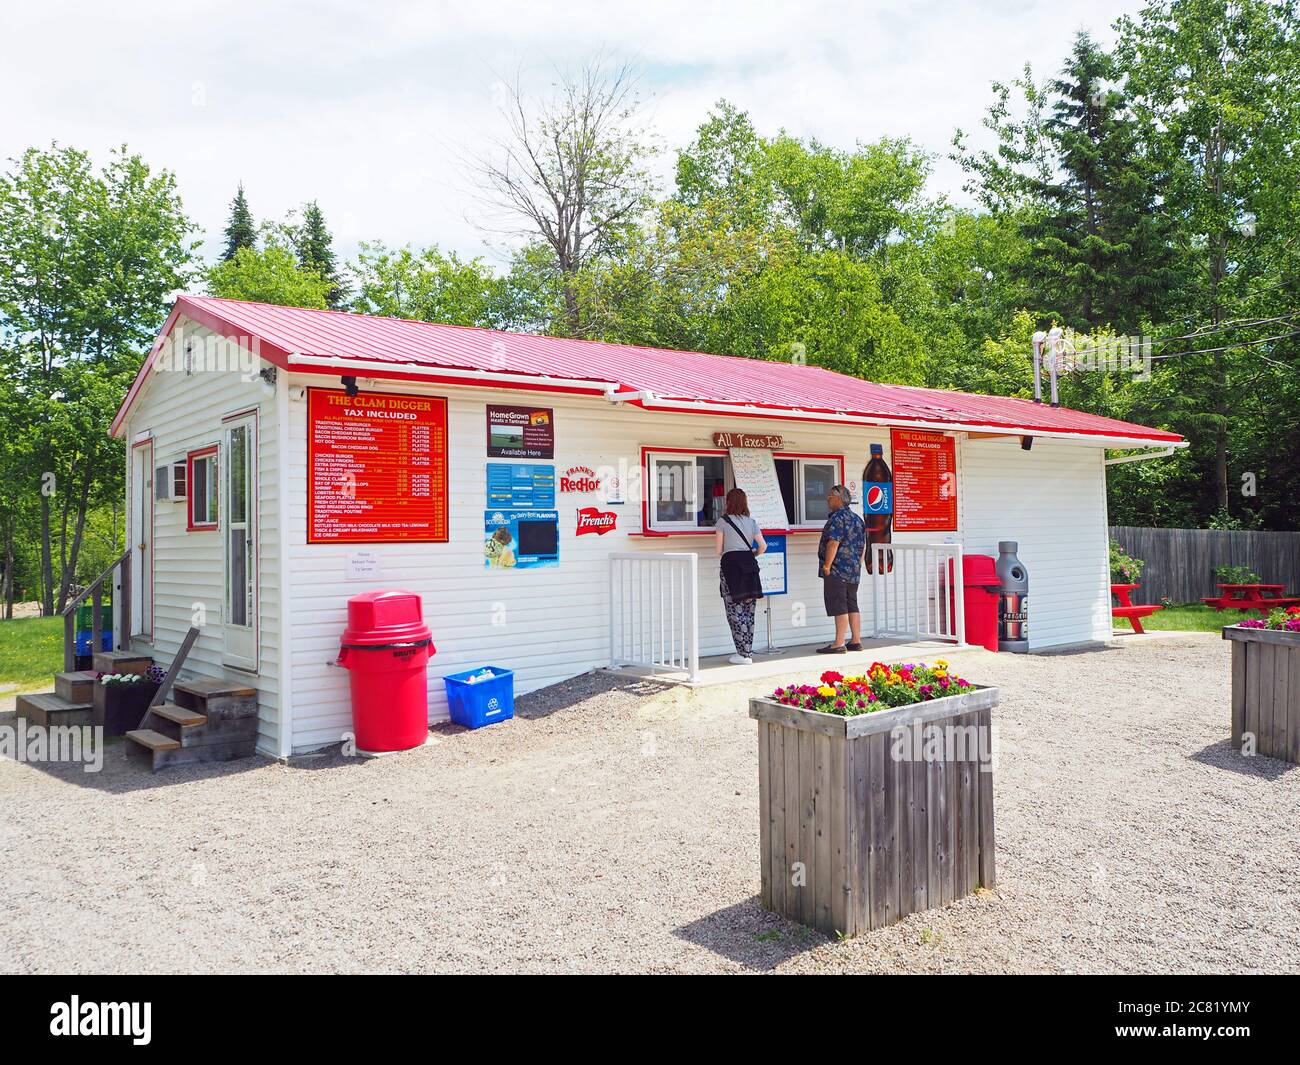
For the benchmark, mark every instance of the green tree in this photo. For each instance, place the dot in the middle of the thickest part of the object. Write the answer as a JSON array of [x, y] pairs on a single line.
[[426, 285], [269, 275], [87, 260], [241, 232], [1215, 86], [316, 251]]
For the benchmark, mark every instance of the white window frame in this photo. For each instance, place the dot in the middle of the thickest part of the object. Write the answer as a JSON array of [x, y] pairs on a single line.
[[212, 490], [801, 494]]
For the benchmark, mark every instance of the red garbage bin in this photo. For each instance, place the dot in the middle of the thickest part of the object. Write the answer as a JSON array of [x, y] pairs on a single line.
[[386, 648], [980, 598]]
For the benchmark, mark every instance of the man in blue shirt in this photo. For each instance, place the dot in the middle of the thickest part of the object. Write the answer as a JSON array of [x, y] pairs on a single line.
[[844, 539]]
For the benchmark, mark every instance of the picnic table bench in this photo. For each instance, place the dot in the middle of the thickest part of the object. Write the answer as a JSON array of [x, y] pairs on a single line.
[[1127, 609], [1261, 597]]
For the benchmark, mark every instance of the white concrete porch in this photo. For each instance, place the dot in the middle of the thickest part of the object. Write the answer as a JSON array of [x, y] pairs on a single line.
[[803, 662]]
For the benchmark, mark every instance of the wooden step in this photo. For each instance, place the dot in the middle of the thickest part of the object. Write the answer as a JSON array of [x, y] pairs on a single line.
[[154, 741], [216, 699], [48, 708], [179, 715], [121, 662], [78, 687]]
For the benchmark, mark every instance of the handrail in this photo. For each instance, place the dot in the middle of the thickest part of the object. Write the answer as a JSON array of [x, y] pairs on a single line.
[[161, 694], [96, 583]]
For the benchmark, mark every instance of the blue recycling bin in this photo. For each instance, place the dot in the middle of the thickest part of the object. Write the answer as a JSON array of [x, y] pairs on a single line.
[[86, 637], [475, 703]]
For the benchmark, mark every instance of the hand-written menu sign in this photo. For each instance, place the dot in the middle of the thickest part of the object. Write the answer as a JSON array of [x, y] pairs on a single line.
[[376, 468], [755, 472], [925, 481]]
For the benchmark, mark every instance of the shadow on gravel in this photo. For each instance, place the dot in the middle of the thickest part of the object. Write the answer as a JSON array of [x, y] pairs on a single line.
[[569, 693], [751, 936], [1222, 755]]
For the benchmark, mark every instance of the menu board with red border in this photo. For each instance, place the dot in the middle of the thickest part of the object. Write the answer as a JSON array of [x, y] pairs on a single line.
[[925, 481], [376, 468]]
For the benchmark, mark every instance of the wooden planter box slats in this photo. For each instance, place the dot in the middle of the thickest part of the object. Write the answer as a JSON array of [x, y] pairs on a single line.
[[1266, 690], [853, 839]]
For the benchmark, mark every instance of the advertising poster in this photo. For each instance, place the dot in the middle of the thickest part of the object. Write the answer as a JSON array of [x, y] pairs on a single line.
[[520, 432], [520, 484], [521, 539], [772, 567], [925, 481], [376, 468]]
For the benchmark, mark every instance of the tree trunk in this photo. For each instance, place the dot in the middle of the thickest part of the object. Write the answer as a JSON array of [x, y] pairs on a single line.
[[8, 590], [47, 561], [72, 552]]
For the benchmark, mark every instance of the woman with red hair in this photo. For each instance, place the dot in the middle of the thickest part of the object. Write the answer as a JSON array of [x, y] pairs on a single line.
[[739, 541]]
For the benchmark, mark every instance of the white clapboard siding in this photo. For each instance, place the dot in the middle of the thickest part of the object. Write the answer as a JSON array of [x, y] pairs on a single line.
[[1052, 501], [183, 413]]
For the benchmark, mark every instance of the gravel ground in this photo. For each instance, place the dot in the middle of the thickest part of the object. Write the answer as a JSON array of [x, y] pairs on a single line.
[[613, 826]]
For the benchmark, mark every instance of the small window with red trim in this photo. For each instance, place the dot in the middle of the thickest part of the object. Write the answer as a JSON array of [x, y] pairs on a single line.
[[201, 483]]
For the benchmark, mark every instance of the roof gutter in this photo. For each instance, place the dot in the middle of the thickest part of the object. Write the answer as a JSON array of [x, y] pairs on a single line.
[[1162, 453], [645, 399], [369, 367], [795, 414]]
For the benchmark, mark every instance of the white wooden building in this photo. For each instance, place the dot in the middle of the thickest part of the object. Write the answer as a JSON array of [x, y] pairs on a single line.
[[255, 512]]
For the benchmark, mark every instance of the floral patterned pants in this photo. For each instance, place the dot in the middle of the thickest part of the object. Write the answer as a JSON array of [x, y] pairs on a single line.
[[740, 616]]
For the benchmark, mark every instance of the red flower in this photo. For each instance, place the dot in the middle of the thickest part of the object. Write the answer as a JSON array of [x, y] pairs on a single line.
[[831, 677]]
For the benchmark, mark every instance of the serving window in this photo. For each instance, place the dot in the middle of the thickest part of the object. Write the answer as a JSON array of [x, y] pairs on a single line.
[[687, 490]]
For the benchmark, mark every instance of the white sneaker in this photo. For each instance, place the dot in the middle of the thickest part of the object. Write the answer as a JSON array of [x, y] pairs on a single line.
[[740, 660]]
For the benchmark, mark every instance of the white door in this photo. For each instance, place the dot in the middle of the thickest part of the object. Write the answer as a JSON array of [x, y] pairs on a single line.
[[239, 536], [142, 539]]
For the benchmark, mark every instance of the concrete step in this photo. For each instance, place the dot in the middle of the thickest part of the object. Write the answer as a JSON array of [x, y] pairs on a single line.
[[121, 662], [78, 687], [48, 708]]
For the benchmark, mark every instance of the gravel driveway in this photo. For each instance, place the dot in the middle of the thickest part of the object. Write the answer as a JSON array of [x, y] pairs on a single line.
[[613, 826]]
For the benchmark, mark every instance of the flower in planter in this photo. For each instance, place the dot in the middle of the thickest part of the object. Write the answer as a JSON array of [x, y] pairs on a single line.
[[882, 687]]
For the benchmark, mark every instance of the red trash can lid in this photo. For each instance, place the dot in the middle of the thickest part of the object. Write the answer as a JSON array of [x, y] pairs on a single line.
[[391, 616], [979, 571]]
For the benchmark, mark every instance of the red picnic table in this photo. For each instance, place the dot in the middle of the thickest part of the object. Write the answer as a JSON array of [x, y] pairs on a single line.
[[1127, 609], [1261, 597]]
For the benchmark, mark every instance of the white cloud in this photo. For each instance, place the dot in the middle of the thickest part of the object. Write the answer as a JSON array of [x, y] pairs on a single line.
[[370, 108]]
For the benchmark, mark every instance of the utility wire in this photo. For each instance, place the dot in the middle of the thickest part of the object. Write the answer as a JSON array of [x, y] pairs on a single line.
[[1229, 347]]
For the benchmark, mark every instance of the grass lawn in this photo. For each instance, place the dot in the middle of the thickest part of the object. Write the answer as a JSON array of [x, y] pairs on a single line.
[[31, 652], [1191, 617]]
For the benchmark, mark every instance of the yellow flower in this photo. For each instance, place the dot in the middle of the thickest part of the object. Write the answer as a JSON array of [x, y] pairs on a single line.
[[939, 663], [825, 691], [940, 672]]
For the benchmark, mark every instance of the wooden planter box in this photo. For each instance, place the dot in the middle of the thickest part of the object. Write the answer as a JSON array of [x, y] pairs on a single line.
[[1266, 690], [119, 707], [859, 825]]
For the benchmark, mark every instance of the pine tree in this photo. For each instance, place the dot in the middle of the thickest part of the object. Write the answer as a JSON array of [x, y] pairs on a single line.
[[315, 251], [1101, 253], [240, 230]]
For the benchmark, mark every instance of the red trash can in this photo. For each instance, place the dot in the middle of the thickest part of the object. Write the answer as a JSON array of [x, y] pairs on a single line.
[[386, 648], [980, 598]]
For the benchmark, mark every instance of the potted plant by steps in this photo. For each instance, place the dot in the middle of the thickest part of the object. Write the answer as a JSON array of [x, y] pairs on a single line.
[[121, 699], [1266, 684], [875, 795]]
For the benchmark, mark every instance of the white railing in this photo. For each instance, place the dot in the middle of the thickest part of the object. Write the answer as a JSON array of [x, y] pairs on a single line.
[[655, 611], [916, 591]]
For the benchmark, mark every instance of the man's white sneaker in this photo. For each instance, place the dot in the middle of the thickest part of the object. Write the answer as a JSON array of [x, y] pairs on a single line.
[[740, 660]]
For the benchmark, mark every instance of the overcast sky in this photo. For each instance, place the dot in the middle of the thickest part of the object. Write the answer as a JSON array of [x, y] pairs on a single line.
[[369, 108]]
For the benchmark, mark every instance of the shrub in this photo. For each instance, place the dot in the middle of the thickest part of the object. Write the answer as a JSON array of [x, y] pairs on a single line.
[[1235, 575], [1123, 568]]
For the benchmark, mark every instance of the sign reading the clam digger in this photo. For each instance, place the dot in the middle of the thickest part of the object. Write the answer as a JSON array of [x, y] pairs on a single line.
[[376, 468]]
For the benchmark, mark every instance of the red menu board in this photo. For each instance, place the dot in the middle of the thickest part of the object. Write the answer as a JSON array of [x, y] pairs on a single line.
[[376, 468], [925, 481]]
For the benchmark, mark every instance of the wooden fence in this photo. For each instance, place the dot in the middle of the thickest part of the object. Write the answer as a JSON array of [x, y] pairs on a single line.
[[1180, 563]]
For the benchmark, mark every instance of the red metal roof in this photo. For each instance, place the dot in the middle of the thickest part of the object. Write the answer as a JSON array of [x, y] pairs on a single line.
[[673, 379]]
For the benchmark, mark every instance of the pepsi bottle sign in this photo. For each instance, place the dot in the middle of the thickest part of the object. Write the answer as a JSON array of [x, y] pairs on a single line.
[[878, 498]]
